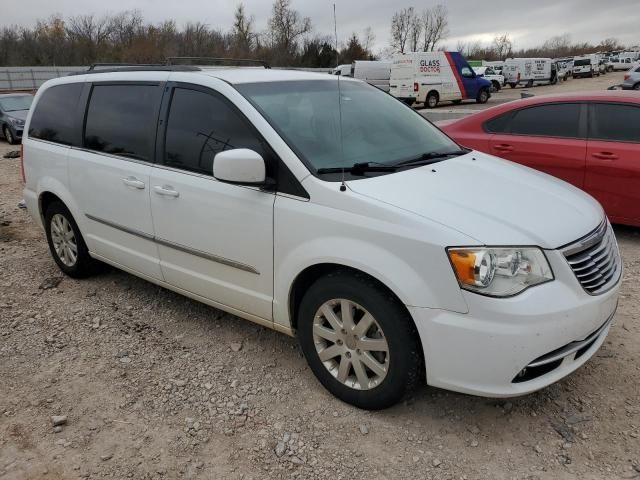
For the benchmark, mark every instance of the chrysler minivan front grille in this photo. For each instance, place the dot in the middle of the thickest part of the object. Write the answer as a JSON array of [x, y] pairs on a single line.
[[595, 260]]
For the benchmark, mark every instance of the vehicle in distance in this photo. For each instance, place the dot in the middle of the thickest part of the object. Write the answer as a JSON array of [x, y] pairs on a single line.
[[632, 78], [530, 72], [374, 72], [336, 215], [590, 140], [496, 79], [587, 66], [13, 112], [434, 77]]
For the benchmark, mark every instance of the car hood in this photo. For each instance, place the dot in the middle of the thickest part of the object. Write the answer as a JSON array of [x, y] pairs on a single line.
[[491, 200], [19, 114]]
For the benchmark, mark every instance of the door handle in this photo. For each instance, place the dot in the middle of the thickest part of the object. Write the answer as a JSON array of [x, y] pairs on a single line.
[[605, 155], [166, 191], [503, 147], [133, 182]]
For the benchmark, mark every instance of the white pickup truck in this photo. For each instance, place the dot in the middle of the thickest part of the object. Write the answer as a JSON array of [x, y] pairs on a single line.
[[497, 80]]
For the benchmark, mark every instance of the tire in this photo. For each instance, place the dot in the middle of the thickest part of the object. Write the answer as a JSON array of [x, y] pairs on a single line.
[[432, 100], [495, 85], [530, 84], [513, 85], [395, 373], [6, 131], [483, 96], [64, 238], [636, 86]]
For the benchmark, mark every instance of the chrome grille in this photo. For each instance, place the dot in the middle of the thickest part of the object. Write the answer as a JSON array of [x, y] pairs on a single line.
[[595, 260]]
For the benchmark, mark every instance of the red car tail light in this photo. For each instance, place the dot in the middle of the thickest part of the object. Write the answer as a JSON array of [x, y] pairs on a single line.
[[416, 87], [627, 76]]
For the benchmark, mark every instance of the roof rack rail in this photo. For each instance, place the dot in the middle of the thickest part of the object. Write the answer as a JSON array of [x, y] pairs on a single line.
[[135, 67], [217, 61]]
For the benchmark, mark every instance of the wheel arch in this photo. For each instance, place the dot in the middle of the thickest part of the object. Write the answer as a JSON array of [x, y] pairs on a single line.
[[50, 190]]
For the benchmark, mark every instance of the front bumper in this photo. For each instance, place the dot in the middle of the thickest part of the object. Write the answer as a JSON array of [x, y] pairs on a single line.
[[486, 351]]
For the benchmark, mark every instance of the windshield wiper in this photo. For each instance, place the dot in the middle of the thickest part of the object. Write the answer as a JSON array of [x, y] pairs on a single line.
[[431, 157], [360, 168]]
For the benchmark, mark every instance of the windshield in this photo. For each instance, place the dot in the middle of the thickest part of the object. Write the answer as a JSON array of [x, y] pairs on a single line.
[[376, 127], [13, 104]]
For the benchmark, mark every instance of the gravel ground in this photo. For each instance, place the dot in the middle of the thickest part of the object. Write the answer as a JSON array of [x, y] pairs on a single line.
[[153, 385]]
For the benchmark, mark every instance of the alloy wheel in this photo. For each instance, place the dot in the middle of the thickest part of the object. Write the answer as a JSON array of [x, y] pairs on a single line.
[[64, 240], [351, 344]]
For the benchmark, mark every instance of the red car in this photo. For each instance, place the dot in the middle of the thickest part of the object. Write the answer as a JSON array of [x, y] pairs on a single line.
[[589, 139]]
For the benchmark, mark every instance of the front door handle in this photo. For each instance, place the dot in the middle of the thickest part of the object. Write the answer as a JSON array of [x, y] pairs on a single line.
[[503, 147], [166, 191], [605, 155], [133, 182]]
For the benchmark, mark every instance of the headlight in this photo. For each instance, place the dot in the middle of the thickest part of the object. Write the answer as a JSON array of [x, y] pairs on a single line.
[[16, 121], [499, 272]]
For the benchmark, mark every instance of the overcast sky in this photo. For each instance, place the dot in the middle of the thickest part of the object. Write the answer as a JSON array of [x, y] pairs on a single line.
[[528, 23]]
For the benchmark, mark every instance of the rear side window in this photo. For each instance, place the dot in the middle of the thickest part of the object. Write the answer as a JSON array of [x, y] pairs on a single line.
[[121, 120], [199, 126], [54, 118], [615, 122], [498, 124], [553, 120]]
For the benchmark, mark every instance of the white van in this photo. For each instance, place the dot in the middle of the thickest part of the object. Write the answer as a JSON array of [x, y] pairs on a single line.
[[586, 66], [623, 61], [434, 77], [374, 72], [343, 70], [530, 72], [336, 215]]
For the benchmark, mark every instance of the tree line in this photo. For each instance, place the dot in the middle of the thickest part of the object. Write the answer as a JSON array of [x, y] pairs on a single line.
[[288, 40], [126, 37]]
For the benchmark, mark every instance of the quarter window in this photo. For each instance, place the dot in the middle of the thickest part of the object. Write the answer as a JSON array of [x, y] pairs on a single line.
[[553, 120], [200, 125], [54, 118], [615, 122], [121, 120]]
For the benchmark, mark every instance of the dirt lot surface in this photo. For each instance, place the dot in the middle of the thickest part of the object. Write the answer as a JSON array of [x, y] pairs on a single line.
[[154, 385]]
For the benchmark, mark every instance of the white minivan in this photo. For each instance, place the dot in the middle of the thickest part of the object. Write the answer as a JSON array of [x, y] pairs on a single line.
[[330, 211]]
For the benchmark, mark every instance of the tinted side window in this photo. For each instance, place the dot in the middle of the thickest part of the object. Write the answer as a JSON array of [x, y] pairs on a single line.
[[121, 121], [554, 120], [54, 118], [498, 124], [199, 126], [615, 122]]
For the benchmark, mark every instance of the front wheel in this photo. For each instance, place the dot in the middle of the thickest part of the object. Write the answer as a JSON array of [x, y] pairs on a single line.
[[512, 85], [8, 135], [359, 341], [636, 86], [483, 96], [495, 86]]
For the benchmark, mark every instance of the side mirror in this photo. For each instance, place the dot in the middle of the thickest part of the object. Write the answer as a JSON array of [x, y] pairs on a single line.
[[240, 166]]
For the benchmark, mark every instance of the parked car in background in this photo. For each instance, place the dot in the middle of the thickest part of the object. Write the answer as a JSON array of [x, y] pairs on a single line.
[[585, 67], [14, 108], [623, 61], [496, 65], [374, 72], [632, 78], [530, 72], [343, 70], [591, 140], [497, 80], [348, 221], [434, 77]]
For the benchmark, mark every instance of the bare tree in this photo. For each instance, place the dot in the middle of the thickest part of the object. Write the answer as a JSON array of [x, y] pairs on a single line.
[[400, 27], [369, 39], [558, 46], [415, 30], [435, 23], [287, 26], [503, 46], [242, 32]]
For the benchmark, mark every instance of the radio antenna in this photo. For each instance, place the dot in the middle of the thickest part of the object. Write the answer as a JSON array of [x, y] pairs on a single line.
[[343, 187]]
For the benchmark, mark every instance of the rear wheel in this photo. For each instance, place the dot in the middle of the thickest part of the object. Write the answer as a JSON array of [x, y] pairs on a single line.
[[512, 85], [66, 243], [483, 96], [636, 86], [8, 135], [359, 341], [495, 85], [432, 100]]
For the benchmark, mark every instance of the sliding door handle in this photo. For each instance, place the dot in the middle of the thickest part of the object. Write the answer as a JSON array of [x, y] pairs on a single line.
[[133, 182]]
